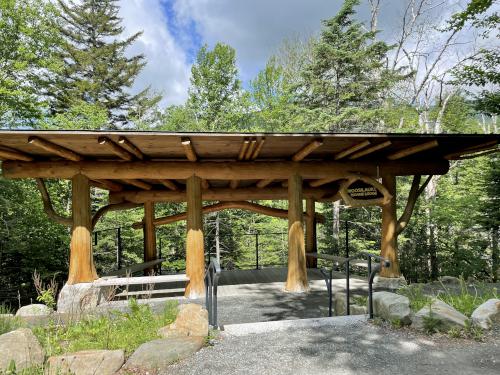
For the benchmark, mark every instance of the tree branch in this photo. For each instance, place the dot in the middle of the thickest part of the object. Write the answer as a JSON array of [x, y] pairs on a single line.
[[415, 192], [48, 208], [112, 207]]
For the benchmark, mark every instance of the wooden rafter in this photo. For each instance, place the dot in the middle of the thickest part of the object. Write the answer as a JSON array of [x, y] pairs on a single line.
[[250, 149], [370, 150], [189, 149], [106, 185], [472, 150], [322, 181], [243, 149], [205, 184], [257, 149], [350, 150], [169, 184], [55, 149], [138, 183], [241, 205], [8, 153], [263, 183], [112, 207], [412, 150], [130, 147], [307, 149], [116, 149]]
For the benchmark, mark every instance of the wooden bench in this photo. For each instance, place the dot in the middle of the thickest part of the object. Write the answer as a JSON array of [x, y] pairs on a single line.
[[339, 260], [135, 268]]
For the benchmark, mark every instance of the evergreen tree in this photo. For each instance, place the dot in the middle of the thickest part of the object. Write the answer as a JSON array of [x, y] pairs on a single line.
[[347, 78], [95, 69], [215, 92]]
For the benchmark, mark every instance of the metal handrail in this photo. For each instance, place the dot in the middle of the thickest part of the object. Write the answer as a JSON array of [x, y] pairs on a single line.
[[211, 282]]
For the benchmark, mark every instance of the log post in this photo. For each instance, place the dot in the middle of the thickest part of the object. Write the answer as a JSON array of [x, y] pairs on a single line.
[[195, 253], [389, 245], [311, 244], [297, 273], [149, 235], [81, 262]]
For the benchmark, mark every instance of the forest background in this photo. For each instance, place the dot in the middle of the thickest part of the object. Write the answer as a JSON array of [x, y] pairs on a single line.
[[65, 65]]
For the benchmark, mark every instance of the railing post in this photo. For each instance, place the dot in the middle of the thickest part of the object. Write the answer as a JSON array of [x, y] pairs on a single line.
[[119, 248], [347, 287]]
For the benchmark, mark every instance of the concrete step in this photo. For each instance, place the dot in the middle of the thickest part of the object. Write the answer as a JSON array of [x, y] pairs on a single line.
[[283, 325]]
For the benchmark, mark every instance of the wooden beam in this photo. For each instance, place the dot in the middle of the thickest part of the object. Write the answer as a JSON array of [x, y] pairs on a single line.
[[169, 184], [243, 149], [218, 170], [138, 183], [115, 148], [233, 184], [413, 150], [195, 253], [370, 150], [296, 280], [11, 154], [311, 241], [471, 150], [350, 150], [257, 150], [307, 149], [49, 208], [55, 149], [189, 149], [389, 245], [205, 184], [217, 194], [81, 262], [239, 205], [149, 236], [106, 185], [130, 147], [322, 181]]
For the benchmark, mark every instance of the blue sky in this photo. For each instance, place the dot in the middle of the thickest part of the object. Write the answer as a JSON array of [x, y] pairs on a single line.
[[174, 30]]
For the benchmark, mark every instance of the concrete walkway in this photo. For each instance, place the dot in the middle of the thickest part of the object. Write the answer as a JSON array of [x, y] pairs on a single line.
[[354, 348]]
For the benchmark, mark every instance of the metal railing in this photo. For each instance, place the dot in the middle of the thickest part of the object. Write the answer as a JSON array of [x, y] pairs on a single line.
[[338, 262], [211, 282]]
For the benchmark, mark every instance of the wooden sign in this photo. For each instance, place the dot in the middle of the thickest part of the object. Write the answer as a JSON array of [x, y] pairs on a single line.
[[359, 191]]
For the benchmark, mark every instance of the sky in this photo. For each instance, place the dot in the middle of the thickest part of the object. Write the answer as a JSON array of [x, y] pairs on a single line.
[[174, 30]]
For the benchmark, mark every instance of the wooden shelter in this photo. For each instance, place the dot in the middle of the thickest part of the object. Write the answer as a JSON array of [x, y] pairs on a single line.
[[142, 168]]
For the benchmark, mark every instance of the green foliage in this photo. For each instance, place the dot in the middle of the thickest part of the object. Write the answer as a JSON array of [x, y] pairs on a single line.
[[8, 323], [416, 295], [117, 331]]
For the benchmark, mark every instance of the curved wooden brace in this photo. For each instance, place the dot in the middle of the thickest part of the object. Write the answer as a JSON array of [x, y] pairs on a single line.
[[242, 205], [367, 202], [413, 195], [48, 208], [112, 207]]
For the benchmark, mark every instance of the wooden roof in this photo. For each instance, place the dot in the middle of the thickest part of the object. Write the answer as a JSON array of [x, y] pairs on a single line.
[[227, 146]]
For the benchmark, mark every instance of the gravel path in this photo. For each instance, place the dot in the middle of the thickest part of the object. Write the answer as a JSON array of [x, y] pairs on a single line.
[[360, 348]]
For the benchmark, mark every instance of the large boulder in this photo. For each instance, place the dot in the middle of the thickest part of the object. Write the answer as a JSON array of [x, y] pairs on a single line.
[[392, 307], [390, 283], [77, 298], [87, 362], [158, 354], [487, 314], [449, 280], [21, 347], [339, 306], [36, 309], [440, 315], [192, 320]]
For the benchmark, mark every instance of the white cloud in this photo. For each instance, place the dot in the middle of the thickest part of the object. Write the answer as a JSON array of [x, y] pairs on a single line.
[[167, 70]]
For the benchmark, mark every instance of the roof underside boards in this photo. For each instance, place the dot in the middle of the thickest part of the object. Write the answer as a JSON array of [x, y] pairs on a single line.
[[226, 146]]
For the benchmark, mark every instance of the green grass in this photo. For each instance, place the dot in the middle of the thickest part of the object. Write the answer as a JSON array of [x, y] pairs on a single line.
[[416, 296], [8, 324], [116, 330]]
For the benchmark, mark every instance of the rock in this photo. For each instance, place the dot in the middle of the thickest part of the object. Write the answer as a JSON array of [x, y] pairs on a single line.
[[391, 283], [446, 316], [87, 362], [36, 309], [192, 320], [77, 298], [392, 307], [157, 354], [339, 306], [487, 314], [22, 347], [449, 280]]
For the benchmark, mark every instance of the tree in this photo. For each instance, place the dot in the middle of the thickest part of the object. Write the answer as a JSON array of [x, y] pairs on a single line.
[[215, 94], [26, 40], [347, 77], [95, 69]]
